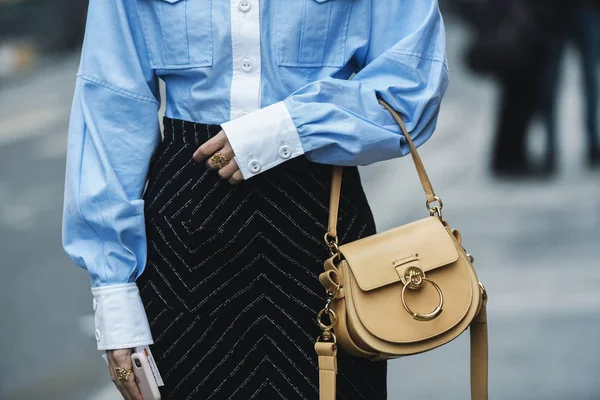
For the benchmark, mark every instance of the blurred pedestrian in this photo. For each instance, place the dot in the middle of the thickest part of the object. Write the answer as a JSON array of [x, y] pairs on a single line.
[[583, 18], [512, 42], [226, 239]]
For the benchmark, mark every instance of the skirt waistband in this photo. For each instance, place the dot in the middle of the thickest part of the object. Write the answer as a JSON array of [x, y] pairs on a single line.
[[187, 131]]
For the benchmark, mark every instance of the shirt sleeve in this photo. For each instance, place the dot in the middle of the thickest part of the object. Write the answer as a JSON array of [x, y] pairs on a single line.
[[113, 133], [340, 122]]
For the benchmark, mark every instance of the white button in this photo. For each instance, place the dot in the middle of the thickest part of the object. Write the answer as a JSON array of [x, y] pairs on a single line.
[[244, 5], [98, 335], [285, 152], [94, 304], [247, 65], [254, 166]]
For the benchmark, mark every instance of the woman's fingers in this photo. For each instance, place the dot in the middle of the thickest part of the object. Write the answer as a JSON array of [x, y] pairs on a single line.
[[236, 177], [226, 151], [131, 388], [210, 147], [227, 171], [220, 144], [122, 358]]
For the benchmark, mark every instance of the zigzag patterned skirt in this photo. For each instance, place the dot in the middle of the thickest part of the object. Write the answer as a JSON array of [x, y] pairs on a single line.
[[231, 284]]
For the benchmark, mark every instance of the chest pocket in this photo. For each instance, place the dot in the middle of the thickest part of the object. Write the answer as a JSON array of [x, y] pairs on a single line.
[[311, 33], [178, 33]]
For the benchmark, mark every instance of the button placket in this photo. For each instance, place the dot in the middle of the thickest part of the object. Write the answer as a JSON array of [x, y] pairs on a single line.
[[245, 85]]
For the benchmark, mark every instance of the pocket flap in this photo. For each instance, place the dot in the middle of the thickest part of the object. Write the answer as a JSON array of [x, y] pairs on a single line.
[[379, 260]]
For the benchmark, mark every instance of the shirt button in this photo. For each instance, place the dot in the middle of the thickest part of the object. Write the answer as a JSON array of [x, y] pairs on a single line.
[[244, 5], [98, 336], [285, 152], [254, 166], [247, 65]]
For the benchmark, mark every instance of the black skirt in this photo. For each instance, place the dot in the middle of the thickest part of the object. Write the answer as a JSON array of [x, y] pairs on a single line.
[[231, 284]]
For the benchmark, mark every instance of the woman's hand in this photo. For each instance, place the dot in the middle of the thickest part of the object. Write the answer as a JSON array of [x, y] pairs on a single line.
[[220, 144], [122, 358]]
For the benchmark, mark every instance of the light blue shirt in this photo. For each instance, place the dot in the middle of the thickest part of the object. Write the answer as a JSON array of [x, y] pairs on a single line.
[[274, 73]]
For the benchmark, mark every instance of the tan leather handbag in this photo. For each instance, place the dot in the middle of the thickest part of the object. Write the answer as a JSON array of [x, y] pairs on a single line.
[[400, 292]]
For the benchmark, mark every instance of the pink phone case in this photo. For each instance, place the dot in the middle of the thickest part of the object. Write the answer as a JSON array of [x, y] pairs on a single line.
[[144, 377]]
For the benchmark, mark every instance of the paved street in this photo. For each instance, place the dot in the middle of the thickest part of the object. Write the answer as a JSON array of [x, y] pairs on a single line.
[[536, 244], [46, 344]]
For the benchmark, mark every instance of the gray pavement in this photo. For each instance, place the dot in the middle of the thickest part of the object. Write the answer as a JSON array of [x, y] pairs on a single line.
[[44, 299], [536, 244]]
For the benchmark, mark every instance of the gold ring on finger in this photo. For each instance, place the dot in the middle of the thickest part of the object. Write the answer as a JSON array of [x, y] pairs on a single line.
[[123, 374], [219, 160]]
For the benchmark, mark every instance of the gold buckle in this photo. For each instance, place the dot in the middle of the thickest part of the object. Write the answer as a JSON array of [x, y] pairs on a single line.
[[327, 335], [435, 210], [484, 295], [414, 278], [333, 245], [332, 316]]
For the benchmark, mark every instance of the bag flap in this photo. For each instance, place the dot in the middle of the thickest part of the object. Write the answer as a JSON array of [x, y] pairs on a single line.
[[381, 259]]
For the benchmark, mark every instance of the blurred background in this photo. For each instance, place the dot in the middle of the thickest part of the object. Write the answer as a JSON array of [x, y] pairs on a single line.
[[516, 159]]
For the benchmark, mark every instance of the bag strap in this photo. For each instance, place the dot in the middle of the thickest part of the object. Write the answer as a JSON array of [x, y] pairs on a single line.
[[479, 362], [336, 181], [479, 355], [327, 353]]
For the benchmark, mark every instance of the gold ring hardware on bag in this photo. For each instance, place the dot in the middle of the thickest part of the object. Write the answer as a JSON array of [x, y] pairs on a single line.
[[333, 245], [414, 278], [330, 297], [327, 335], [332, 318], [484, 295], [435, 210]]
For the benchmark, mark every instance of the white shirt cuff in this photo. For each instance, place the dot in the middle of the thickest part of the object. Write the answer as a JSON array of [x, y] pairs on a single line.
[[121, 321], [263, 139]]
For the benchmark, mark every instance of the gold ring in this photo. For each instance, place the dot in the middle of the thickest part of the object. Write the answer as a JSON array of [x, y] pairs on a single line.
[[332, 319], [424, 317], [123, 374], [219, 160]]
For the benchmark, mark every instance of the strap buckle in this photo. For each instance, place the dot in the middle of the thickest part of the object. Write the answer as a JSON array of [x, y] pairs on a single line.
[[327, 335], [435, 209], [332, 244]]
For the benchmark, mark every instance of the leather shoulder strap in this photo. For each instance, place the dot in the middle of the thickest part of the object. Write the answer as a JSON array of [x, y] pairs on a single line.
[[327, 353], [336, 181], [425, 182], [479, 356], [334, 200]]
